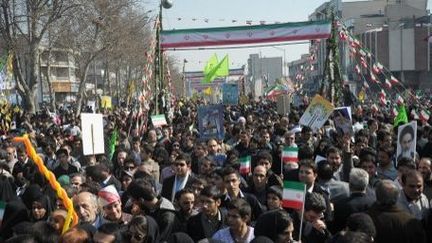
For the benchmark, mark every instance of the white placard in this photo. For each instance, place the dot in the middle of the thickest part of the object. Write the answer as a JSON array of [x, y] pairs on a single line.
[[92, 133]]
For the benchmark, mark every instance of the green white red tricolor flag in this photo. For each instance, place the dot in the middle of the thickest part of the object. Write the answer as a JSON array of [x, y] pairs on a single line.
[[245, 165], [290, 155], [239, 35], [158, 120], [293, 194]]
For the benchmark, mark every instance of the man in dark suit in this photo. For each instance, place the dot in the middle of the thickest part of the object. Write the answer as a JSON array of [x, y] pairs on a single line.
[[357, 202], [392, 223], [308, 175], [210, 219], [175, 183], [102, 174], [232, 181]]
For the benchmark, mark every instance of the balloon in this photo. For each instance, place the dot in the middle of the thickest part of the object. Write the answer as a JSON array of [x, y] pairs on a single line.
[[61, 193]]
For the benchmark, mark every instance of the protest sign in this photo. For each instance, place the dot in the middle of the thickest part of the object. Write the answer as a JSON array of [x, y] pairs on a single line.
[[210, 121], [317, 113], [343, 120], [92, 133], [406, 143], [230, 94]]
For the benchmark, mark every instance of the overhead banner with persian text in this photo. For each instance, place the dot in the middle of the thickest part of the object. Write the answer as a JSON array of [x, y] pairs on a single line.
[[239, 35]]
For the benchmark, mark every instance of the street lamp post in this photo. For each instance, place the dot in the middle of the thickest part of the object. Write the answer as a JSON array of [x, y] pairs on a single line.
[[159, 55], [184, 77], [401, 26]]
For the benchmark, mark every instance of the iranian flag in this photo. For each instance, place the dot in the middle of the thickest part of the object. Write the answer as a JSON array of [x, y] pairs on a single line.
[[158, 120], [293, 194], [290, 155], [245, 165]]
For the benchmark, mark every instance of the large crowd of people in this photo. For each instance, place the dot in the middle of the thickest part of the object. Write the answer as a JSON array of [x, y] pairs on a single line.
[[166, 184]]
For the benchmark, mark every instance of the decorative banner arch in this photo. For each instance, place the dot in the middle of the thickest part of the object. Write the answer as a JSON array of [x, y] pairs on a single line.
[[239, 35]]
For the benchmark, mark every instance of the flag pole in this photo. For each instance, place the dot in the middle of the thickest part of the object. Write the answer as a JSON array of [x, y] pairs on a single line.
[[281, 158], [302, 213]]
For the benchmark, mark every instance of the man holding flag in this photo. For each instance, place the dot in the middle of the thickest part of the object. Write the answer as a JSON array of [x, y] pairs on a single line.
[[308, 215], [311, 220]]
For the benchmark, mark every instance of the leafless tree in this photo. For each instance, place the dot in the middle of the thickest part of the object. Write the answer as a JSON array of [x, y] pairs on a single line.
[[23, 25]]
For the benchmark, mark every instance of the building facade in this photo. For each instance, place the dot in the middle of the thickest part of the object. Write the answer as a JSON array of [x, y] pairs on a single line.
[[262, 73], [393, 31], [62, 74]]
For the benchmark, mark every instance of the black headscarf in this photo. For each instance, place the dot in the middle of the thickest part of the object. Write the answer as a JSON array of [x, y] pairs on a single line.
[[15, 213], [34, 194]]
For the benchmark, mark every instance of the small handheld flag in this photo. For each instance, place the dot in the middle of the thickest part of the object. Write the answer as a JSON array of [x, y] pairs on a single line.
[[290, 155], [293, 194], [245, 165]]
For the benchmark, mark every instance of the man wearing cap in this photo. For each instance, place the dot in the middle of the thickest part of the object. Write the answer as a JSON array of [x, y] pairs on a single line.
[[109, 199]]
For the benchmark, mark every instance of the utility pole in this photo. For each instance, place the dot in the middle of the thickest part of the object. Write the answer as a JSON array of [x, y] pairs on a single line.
[[159, 66]]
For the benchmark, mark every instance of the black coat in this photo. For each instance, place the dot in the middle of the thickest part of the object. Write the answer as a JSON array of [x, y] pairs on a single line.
[[168, 184], [114, 181], [328, 213], [195, 228], [356, 203], [395, 225], [257, 208]]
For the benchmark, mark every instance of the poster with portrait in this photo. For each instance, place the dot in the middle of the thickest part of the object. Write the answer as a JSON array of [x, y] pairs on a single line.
[[317, 113], [406, 142], [342, 119], [210, 121], [230, 94]]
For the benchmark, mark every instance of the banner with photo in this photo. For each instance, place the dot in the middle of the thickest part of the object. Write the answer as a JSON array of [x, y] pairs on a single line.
[[317, 113], [211, 121], [342, 119], [230, 94], [406, 143]]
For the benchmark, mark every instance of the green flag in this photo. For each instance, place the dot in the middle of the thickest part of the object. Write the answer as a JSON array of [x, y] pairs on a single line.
[[112, 143], [223, 69], [220, 70], [401, 117], [211, 63]]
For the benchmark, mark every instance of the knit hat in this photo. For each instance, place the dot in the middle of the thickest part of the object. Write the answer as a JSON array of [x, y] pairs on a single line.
[[64, 180], [108, 195]]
